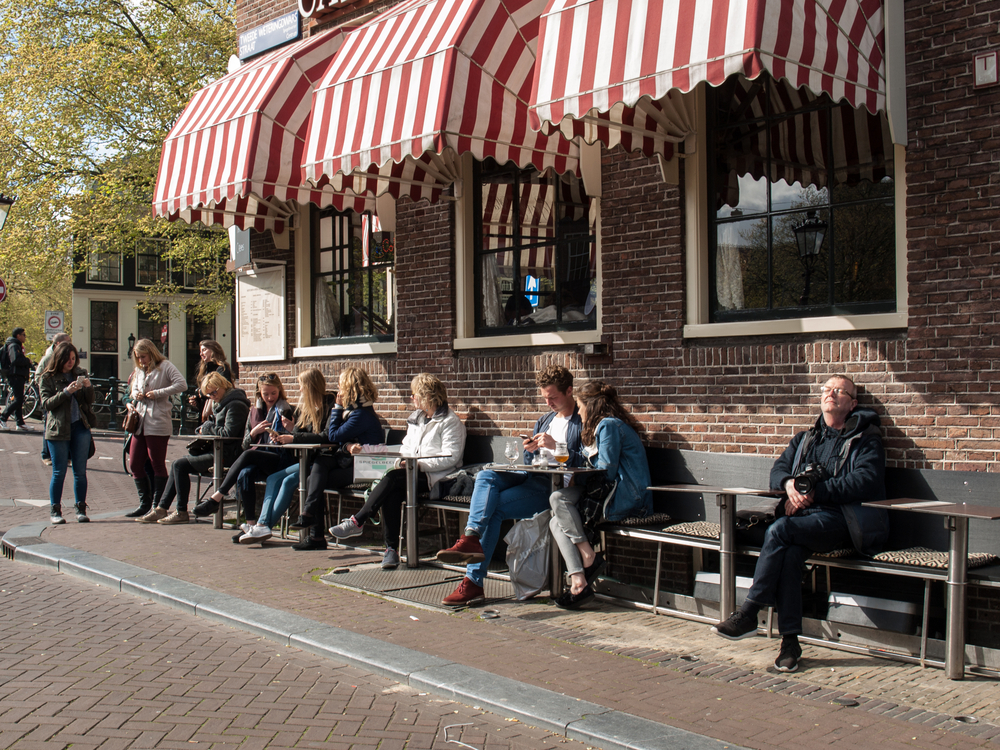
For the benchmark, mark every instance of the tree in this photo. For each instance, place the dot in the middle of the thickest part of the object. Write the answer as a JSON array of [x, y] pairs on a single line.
[[88, 92]]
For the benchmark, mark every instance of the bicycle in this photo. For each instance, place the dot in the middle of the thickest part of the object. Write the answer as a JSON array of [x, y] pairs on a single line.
[[32, 398]]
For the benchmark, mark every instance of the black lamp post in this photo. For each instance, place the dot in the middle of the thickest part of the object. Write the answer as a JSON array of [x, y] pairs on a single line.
[[5, 204], [809, 235], [131, 344]]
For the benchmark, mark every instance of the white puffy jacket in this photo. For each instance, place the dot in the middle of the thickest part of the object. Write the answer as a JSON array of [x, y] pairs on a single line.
[[442, 434]]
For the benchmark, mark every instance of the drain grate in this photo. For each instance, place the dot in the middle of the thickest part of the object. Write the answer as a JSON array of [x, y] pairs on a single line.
[[426, 586]]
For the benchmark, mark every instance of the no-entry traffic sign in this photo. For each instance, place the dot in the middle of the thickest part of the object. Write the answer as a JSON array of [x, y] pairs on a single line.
[[54, 320], [3, 290]]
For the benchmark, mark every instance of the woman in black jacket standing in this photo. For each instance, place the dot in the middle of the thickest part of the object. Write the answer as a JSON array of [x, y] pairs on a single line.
[[229, 418], [67, 395]]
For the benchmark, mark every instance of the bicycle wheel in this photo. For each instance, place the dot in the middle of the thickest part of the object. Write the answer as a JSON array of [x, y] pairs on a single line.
[[32, 401]]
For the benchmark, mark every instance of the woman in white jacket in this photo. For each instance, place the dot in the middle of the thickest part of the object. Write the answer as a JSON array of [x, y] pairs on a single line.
[[432, 430], [154, 381]]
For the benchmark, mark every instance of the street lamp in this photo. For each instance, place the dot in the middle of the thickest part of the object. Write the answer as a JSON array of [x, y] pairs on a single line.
[[809, 235], [131, 344], [5, 204]]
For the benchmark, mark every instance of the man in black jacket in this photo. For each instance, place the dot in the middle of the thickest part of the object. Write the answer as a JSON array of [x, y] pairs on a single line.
[[826, 473], [20, 367]]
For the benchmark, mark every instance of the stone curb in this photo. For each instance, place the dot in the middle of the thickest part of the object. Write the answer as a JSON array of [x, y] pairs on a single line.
[[596, 725]]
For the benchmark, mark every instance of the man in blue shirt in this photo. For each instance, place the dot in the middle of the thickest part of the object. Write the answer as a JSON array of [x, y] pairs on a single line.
[[502, 495]]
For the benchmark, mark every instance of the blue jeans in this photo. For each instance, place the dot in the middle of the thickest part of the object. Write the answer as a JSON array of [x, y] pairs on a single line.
[[75, 450], [498, 496], [777, 580], [281, 486]]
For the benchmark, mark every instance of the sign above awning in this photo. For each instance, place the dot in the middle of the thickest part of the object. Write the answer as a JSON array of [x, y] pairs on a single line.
[[424, 82], [234, 155], [612, 63]]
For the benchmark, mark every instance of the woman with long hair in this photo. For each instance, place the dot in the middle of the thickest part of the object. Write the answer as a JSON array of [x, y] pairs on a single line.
[[230, 407], [433, 429], [154, 381], [352, 420], [270, 415], [610, 437], [310, 426], [67, 396], [213, 359]]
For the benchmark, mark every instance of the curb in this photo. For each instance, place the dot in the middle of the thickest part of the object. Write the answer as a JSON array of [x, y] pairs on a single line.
[[596, 725]]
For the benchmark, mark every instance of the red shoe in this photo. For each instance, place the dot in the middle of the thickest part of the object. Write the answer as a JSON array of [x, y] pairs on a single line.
[[466, 593], [466, 550]]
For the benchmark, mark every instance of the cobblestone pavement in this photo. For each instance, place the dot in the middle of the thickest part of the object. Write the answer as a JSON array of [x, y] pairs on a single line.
[[82, 666], [660, 668]]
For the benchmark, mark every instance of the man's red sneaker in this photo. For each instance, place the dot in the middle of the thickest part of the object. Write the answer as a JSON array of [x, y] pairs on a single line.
[[466, 592], [466, 550]]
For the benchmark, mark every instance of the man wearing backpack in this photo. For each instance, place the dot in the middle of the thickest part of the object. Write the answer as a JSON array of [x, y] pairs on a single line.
[[826, 473], [16, 367]]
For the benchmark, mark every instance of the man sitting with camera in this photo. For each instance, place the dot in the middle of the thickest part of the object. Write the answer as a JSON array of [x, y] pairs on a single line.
[[826, 473]]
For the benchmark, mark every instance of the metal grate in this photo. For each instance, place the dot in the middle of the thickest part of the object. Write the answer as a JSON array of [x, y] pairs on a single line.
[[426, 586]]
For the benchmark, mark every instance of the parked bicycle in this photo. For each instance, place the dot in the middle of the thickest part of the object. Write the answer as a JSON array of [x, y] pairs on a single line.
[[32, 406]]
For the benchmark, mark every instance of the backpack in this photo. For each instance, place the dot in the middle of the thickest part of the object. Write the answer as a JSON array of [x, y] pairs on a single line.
[[5, 363]]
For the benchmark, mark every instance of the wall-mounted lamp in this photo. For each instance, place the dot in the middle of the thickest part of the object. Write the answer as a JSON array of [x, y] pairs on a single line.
[[131, 344]]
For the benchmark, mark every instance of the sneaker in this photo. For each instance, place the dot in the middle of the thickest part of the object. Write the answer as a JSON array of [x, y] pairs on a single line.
[[789, 654], [47, 461], [153, 516], [309, 543], [739, 625], [244, 529], [302, 522], [56, 518], [466, 593], [3, 425], [390, 560], [347, 528], [465, 551], [178, 516], [258, 533], [25, 428]]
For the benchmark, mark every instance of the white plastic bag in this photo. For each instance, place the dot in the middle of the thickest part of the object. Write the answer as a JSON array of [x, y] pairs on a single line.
[[528, 555]]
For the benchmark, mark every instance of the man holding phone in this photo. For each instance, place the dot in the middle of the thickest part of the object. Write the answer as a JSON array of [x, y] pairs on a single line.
[[502, 495]]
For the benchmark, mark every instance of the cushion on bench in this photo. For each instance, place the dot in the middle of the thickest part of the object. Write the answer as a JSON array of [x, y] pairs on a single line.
[[653, 520], [838, 553], [929, 558], [703, 529]]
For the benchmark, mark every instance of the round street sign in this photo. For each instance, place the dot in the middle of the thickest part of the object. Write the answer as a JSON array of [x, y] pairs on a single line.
[[3, 290]]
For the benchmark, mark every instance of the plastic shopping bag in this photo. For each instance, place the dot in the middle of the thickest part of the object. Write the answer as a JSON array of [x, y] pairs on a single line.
[[528, 555]]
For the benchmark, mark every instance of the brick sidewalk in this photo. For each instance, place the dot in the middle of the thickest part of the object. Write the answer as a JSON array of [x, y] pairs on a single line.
[[660, 668]]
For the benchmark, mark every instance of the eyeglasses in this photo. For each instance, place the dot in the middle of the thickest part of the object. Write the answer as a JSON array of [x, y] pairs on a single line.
[[837, 392], [270, 378], [211, 394]]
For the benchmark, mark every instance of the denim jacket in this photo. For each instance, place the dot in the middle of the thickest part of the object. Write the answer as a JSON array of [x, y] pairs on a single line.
[[622, 455]]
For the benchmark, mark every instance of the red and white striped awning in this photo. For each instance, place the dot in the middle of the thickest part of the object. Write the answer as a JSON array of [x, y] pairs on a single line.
[[234, 155], [612, 63], [423, 83]]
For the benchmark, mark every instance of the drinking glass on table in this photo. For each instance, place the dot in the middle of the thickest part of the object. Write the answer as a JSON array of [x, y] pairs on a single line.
[[561, 453], [512, 451]]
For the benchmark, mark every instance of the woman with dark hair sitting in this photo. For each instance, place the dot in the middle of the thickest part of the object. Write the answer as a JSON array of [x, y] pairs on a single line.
[[611, 441], [230, 408], [433, 429]]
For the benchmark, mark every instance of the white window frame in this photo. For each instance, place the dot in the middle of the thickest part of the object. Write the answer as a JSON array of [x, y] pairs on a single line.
[[696, 210], [465, 282]]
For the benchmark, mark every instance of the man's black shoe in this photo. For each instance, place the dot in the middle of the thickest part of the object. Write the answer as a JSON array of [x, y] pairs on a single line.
[[309, 543], [206, 508], [789, 655], [303, 522], [739, 625]]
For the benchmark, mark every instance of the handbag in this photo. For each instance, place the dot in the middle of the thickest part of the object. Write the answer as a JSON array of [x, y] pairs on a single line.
[[752, 525], [199, 447], [132, 421], [597, 494]]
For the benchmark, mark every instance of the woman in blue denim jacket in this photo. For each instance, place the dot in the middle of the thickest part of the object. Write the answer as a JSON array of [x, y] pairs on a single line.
[[611, 441]]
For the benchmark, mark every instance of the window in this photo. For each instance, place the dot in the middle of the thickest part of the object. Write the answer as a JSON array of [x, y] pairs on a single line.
[[103, 339], [105, 267], [801, 205], [155, 330], [150, 265], [354, 286], [535, 252]]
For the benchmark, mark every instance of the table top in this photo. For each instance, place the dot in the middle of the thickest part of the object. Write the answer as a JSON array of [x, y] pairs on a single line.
[[216, 438], [299, 446], [938, 507], [711, 490], [550, 469], [391, 454]]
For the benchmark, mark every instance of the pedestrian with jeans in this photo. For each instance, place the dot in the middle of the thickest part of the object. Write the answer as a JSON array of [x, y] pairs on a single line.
[[17, 377], [501, 495], [67, 396], [826, 473], [42, 364], [432, 430]]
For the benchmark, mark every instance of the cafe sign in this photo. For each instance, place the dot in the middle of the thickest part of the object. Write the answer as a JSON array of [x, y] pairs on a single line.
[[311, 8]]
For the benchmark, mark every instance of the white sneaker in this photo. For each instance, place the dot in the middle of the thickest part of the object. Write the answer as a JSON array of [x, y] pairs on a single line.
[[3, 425], [347, 528], [258, 533], [25, 428]]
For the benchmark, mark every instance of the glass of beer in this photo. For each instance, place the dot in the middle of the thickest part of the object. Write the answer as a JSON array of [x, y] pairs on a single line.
[[561, 453]]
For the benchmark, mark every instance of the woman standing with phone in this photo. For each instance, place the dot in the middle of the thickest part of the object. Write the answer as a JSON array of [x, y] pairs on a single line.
[[67, 396]]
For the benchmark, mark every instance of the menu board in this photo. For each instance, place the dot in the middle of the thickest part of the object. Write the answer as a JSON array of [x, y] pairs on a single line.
[[260, 315]]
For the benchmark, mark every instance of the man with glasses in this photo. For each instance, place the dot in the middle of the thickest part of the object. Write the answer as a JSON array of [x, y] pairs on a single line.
[[826, 473]]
